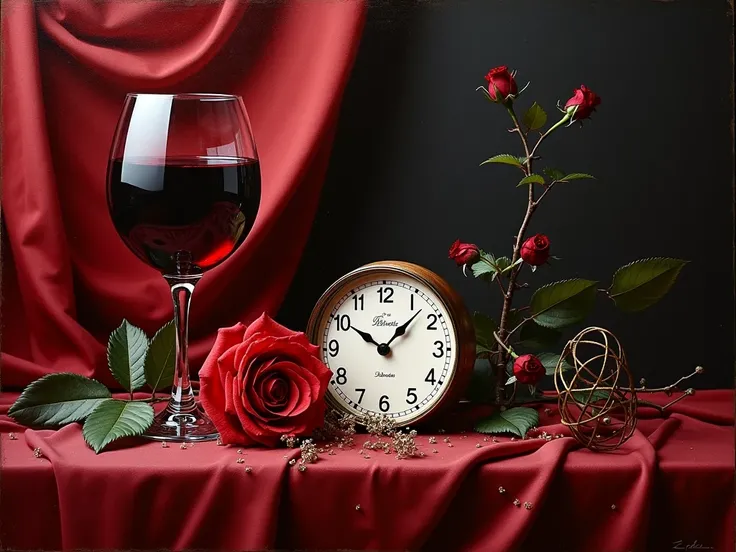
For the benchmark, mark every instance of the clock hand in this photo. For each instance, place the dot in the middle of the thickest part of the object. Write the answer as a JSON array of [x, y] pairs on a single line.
[[365, 335], [401, 330]]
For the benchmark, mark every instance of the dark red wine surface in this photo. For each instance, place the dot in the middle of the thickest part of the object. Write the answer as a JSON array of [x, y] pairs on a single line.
[[184, 215]]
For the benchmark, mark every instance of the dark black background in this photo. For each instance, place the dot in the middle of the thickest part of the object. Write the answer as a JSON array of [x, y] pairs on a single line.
[[404, 179]]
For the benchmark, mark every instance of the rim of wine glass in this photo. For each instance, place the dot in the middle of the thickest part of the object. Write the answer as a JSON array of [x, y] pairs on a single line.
[[189, 96]]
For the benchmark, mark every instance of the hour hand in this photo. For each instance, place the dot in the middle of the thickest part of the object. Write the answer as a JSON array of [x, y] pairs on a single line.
[[365, 335]]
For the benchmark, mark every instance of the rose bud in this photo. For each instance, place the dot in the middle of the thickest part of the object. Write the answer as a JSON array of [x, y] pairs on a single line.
[[585, 100], [535, 250], [528, 369], [464, 253], [501, 81]]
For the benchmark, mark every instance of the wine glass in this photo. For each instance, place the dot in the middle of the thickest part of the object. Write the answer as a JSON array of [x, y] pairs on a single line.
[[183, 190]]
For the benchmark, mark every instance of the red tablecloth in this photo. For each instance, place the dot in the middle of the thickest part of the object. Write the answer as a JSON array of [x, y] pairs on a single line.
[[671, 485]]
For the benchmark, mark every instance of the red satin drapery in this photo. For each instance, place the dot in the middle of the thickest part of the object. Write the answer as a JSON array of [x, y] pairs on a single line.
[[671, 486], [68, 280]]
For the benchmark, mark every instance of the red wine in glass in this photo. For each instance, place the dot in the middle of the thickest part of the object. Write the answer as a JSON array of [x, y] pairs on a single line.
[[183, 191], [192, 211]]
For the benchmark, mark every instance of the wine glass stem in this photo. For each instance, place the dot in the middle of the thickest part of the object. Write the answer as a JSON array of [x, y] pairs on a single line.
[[182, 397]]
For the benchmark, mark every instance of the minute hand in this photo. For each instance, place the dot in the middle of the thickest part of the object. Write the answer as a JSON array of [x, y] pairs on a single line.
[[401, 330]]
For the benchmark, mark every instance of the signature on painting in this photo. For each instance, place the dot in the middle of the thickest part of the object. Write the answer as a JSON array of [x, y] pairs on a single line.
[[695, 545]]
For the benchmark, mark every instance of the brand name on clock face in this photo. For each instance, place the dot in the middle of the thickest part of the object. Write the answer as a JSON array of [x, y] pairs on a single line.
[[385, 375], [380, 320]]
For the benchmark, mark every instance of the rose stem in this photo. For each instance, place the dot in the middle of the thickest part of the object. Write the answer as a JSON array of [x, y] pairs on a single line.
[[509, 295]]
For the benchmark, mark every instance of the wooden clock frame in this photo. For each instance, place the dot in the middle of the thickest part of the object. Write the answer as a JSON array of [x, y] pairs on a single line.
[[462, 328]]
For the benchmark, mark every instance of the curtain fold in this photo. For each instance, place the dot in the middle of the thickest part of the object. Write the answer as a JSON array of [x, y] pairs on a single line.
[[68, 280]]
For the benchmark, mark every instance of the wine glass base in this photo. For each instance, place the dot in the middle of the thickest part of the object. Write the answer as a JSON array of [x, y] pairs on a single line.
[[193, 425]]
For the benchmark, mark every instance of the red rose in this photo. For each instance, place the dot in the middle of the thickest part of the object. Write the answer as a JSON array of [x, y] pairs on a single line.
[[586, 100], [528, 369], [464, 253], [499, 79], [263, 381], [535, 250]]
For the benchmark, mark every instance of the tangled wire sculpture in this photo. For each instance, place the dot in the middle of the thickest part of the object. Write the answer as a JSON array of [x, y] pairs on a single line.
[[597, 398]]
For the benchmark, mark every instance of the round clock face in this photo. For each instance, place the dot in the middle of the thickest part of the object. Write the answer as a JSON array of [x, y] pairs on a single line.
[[391, 344]]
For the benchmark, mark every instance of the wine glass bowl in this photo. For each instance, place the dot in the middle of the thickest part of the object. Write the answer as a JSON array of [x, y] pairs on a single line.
[[183, 191]]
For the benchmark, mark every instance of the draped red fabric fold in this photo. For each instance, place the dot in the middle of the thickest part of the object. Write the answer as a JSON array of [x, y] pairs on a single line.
[[68, 280], [670, 487]]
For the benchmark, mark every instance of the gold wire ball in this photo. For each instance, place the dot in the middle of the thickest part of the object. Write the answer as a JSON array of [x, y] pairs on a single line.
[[597, 398]]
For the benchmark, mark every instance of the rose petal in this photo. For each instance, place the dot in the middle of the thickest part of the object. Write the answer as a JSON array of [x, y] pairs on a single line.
[[225, 362], [240, 352], [226, 338], [252, 400], [266, 325], [212, 388], [301, 385], [257, 432], [301, 339], [301, 425], [305, 383], [274, 391], [212, 399], [295, 396], [229, 406], [269, 327]]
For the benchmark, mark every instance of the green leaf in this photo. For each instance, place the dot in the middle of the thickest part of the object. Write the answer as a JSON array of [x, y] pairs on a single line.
[[575, 176], [511, 380], [535, 117], [553, 174], [640, 284], [481, 350], [58, 399], [531, 179], [563, 303], [513, 319], [480, 268], [550, 360], [517, 421], [115, 419], [504, 158], [161, 358], [126, 355], [582, 396], [536, 337], [484, 266], [502, 263], [484, 328]]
